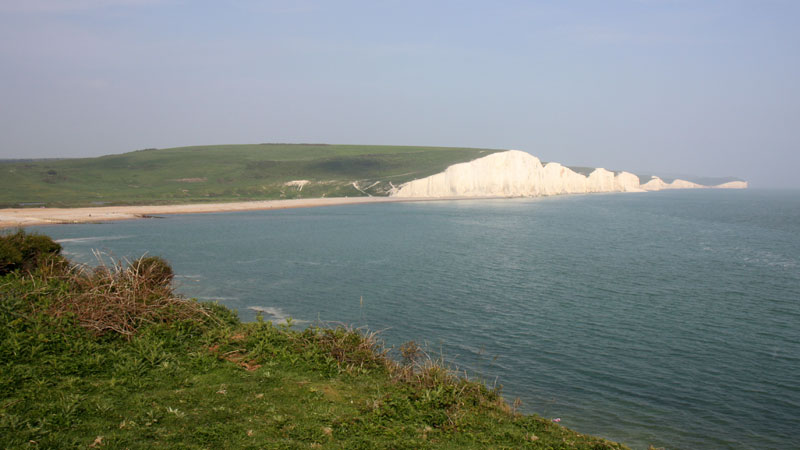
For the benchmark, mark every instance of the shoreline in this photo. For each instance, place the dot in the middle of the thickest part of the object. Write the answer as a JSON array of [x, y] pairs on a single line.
[[21, 217]]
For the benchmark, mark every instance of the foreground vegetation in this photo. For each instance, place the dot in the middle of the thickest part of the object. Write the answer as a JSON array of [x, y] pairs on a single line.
[[222, 173], [111, 358]]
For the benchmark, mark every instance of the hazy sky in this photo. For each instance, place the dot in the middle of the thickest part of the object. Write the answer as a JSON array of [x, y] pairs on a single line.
[[698, 86]]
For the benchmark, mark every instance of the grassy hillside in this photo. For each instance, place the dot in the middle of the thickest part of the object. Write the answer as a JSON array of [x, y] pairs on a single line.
[[111, 358], [222, 173]]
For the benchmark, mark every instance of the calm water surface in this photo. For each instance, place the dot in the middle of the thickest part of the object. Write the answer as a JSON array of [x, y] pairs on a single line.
[[668, 318]]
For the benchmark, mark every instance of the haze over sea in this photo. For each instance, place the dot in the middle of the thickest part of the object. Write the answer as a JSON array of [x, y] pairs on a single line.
[[666, 318]]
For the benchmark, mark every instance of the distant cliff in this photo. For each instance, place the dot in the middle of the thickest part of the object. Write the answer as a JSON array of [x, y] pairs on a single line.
[[514, 173]]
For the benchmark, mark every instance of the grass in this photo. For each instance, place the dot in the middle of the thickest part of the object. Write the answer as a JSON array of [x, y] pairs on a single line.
[[190, 375], [222, 173]]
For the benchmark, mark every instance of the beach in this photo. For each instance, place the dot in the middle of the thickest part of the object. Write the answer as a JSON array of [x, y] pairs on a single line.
[[17, 217]]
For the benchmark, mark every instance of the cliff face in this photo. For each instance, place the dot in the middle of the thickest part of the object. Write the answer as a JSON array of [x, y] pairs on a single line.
[[627, 182], [505, 174], [518, 174], [562, 180], [657, 184], [732, 185]]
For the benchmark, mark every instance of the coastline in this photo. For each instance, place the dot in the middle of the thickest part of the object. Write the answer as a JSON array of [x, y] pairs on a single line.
[[20, 217]]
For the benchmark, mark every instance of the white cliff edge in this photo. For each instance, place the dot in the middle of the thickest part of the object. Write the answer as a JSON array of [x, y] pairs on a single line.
[[657, 184], [732, 185], [514, 173]]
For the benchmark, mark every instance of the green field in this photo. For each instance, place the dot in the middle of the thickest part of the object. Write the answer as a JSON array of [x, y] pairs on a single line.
[[112, 358], [222, 173]]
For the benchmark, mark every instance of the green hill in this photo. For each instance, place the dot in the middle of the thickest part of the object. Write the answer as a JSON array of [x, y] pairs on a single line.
[[222, 173]]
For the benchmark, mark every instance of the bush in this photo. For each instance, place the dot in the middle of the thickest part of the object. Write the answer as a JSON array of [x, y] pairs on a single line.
[[122, 299], [26, 251], [154, 269]]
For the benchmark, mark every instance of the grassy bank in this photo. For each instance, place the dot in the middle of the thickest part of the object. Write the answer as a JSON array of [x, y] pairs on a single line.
[[222, 173], [112, 358]]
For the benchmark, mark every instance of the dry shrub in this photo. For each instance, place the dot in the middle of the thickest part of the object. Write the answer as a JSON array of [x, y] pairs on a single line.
[[418, 367], [153, 268], [122, 298], [353, 349], [410, 352]]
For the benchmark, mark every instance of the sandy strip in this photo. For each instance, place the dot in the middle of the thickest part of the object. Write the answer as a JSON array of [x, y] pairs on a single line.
[[18, 217]]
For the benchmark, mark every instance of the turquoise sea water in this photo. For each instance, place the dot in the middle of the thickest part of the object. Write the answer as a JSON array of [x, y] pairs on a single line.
[[669, 318]]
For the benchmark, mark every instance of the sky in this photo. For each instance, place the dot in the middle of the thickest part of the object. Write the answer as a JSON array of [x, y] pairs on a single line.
[[695, 87]]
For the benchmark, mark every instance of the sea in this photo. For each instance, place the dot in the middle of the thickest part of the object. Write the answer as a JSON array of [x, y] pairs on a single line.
[[668, 318]]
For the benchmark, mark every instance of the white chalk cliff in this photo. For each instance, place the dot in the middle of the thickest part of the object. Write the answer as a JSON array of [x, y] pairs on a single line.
[[732, 185], [657, 184], [514, 173]]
